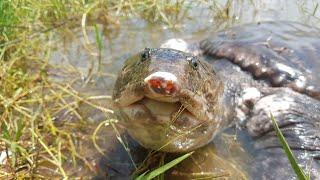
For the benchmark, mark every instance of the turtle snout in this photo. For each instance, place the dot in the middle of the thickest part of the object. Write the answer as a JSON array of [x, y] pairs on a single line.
[[162, 83]]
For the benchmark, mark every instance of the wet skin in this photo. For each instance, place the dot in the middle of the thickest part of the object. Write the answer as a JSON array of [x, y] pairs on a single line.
[[180, 119], [283, 53], [173, 101]]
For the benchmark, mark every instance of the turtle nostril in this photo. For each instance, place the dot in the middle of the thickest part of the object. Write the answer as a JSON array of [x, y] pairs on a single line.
[[162, 83]]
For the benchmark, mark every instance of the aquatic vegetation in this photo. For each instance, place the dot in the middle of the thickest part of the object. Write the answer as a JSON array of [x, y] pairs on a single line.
[[150, 175], [33, 141]]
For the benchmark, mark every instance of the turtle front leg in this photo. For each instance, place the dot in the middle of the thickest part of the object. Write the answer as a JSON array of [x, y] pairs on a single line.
[[298, 117]]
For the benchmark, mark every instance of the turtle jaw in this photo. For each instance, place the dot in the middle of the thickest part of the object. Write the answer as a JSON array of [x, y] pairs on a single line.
[[169, 123], [164, 126]]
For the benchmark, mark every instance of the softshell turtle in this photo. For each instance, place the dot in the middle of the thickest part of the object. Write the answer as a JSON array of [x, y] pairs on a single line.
[[179, 100]]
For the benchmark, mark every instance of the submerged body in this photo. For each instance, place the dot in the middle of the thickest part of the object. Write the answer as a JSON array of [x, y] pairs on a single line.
[[175, 101]]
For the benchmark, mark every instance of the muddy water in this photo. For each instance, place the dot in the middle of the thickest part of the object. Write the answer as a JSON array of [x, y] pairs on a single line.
[[78, 62]]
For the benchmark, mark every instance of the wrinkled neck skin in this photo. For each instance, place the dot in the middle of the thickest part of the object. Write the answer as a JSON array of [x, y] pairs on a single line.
[[228, 106], [241, 91]]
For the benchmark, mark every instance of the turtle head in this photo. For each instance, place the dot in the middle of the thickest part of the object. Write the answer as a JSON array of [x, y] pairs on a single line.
[[168, 100]]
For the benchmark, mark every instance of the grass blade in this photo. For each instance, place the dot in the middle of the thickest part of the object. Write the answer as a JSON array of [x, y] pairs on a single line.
[[163, 168], [293, 161]]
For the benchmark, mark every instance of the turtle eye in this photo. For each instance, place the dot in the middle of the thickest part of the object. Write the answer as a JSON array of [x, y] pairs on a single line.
[[145, 55], [194, 63]]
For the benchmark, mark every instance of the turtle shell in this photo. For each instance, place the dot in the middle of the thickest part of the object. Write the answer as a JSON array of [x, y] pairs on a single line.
[[286, 54]]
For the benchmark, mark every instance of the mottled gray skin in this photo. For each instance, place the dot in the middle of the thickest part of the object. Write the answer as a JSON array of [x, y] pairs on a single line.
[[298, 116], [282, 60], [283, 53], [265, 68]]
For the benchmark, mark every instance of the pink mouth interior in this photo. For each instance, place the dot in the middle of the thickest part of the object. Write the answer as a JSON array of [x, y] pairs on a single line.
[[161, 86]]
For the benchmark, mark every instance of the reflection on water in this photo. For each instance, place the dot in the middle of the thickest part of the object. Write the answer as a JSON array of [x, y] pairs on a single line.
[[77, 61]]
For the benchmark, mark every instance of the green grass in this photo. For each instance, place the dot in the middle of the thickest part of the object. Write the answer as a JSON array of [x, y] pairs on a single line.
[[161, 170], [8, 19], [30, 101], [294, 163]]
